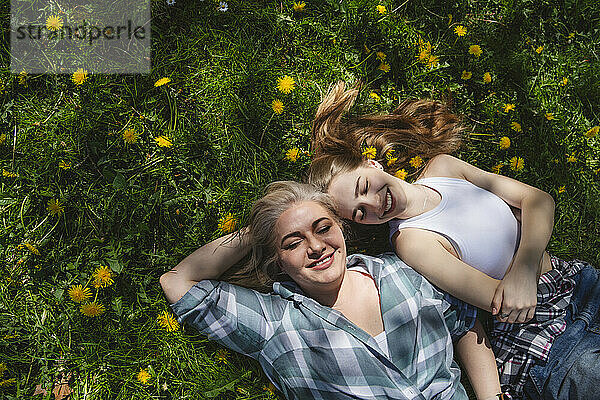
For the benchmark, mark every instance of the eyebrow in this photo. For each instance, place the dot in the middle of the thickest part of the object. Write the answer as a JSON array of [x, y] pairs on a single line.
[[297, 233], [355, 196]]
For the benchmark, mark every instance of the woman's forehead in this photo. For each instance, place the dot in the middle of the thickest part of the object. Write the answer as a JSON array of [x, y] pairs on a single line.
[[301, 216]]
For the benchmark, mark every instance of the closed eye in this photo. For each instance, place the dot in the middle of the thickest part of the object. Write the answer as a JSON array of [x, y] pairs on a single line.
[[292, 245], [324, 230]]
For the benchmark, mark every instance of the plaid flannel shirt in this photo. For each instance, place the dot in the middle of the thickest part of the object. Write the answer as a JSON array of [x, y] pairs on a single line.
[[311, 351], [519, 346]]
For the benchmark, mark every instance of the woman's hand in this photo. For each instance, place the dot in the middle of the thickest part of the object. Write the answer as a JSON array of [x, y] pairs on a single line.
[[515, 298]]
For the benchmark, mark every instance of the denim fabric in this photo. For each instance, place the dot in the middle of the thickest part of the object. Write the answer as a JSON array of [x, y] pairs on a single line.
[[573, 368]]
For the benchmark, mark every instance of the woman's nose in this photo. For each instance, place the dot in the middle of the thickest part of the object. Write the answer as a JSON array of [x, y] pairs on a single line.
[[315, 245]]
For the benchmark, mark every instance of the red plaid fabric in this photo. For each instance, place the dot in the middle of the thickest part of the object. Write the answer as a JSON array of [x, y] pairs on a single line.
[[519, 346]]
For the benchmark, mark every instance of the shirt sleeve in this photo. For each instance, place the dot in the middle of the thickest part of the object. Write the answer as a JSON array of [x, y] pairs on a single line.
[[239, 318], [460, 317]]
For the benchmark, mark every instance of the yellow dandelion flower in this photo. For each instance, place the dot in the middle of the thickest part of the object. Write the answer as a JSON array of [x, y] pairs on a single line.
[[55, 207], [549, 116], [424, 46], [564, 81], [103, 277], [496, 168], [423, 56], [167, 321], [23, 78], [374, 96], [292, 154], [64, 164], [571, 35], [54, 23], [143, 377], [79, 294], [571, 158], [380, 55], [163, 141], [592, 132], [130, 136], [162, 81], [32, 248], [92, 309], [433, 61], [381, 9], [9, 174], [517, 164], [401, 174], [475, 49], [509, 107], [460, 30], [416, 161], [562, 189], [385, 67], [299, 7], [286, 84], [277, 106], [466, 75], [539, 49], [227, 223], [79, 76], [391, 161], [487, 77], [270, 388], [221, 355], [3, 138], [504, 143], [515, 126], [370, 152]]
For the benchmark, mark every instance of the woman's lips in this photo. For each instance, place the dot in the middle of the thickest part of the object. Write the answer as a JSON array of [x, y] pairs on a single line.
[[323, 265], [392, 205]]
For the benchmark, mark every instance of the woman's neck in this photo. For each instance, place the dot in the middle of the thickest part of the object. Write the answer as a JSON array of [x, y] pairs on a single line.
[[336, 295], [419, 199]]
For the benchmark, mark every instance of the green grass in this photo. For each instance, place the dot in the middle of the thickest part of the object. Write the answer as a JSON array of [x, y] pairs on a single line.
[[140, 208]]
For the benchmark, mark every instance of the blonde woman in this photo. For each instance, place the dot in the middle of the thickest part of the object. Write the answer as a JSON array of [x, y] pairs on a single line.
[[329, 326]]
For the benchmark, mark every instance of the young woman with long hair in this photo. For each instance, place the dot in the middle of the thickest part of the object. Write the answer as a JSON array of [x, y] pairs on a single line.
[[330, 326], [477, 235]]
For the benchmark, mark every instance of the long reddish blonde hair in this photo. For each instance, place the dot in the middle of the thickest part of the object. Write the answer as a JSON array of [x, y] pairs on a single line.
[[417, 127]]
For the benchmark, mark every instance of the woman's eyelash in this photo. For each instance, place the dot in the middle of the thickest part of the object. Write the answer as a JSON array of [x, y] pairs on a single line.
[[292, 245], [324, 229]]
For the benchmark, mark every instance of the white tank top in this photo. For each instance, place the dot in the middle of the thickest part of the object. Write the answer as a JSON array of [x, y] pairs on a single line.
[[480, 225]]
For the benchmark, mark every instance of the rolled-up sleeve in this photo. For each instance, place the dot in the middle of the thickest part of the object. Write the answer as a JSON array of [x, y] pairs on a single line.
[[239, 318]]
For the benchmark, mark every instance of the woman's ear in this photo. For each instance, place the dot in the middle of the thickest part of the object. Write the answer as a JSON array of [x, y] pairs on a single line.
[[374, 164]]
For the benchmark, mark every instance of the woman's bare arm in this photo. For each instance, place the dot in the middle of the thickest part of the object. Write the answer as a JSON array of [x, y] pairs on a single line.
[[208, 262], [423, 251], [517, 293]]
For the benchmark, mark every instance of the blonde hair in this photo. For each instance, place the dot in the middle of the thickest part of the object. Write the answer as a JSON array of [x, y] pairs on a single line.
[[416, 127], [262, 268]]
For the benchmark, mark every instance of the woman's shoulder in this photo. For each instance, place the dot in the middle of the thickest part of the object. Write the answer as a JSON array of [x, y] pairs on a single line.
[[442, 165]]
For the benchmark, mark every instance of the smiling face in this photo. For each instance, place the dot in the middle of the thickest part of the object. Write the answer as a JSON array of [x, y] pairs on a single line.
[[311, 247], [368, 195]]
